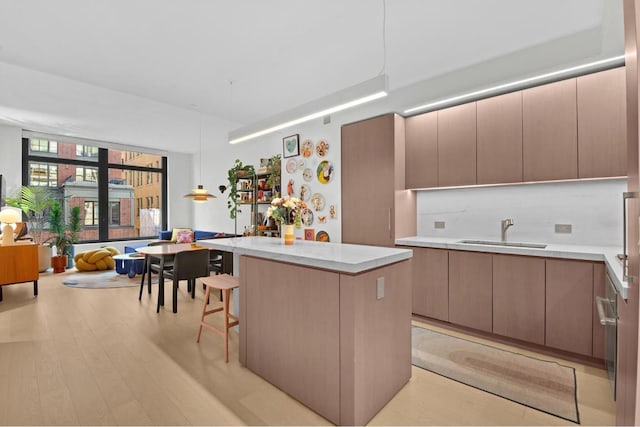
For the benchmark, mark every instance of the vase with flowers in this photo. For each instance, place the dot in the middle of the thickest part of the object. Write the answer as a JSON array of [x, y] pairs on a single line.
[[284, 211]]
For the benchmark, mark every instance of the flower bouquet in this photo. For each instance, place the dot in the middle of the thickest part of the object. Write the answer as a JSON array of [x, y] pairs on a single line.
[[284, 211]]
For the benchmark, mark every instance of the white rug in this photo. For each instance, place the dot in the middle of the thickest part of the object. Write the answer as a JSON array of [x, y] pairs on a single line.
[[101, 279]]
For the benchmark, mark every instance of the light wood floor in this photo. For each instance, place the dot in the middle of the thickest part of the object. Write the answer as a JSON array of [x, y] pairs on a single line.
[[99, 356]]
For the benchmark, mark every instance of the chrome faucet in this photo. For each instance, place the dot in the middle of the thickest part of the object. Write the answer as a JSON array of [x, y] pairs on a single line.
[[504, 225]]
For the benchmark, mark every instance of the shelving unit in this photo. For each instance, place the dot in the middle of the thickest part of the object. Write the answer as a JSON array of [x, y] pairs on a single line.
[[252, 191]]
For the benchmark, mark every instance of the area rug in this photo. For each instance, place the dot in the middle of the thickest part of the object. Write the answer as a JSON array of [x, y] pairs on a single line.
[[542, 385], [101, 279]]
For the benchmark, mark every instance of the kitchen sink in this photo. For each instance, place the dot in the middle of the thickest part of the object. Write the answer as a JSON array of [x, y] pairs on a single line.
[[495, 243]]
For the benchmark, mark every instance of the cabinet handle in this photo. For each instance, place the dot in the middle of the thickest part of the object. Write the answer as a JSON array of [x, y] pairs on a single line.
[[625, 257], [604, 320], [390, 234]]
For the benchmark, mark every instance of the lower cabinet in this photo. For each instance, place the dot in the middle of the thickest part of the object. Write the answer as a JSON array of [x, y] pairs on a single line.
[[569, 306], [430, 288], [470, 289], [546, 301], [519, 297]]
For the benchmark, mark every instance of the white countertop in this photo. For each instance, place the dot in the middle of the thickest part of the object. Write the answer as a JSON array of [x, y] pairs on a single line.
[[606, 254], [339, 257]]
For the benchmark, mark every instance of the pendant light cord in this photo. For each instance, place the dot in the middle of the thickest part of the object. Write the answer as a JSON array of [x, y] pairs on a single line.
[[384, 38]]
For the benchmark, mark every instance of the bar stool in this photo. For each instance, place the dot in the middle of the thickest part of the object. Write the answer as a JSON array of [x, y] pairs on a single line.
[[225, 283]]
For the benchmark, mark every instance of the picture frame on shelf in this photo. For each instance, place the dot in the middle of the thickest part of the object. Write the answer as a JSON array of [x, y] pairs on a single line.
[[309, 234], [291, 145]]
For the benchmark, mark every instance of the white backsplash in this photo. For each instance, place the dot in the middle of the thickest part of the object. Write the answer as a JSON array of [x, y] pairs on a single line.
[[592, 207]]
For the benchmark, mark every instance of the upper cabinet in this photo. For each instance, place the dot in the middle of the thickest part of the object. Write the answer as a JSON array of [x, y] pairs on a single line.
[[499, 139], [457, 145], [421, 159], [549, 132], [602, 136], [376, 209], [574, 128]]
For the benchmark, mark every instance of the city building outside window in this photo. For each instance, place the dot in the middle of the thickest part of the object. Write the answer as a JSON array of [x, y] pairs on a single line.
[[72, 174]]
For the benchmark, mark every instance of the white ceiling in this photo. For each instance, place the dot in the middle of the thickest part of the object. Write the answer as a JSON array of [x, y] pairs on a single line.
[[119, 59]]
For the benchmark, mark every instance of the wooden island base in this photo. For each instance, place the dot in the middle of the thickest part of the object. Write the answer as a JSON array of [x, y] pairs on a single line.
[[324, 337]]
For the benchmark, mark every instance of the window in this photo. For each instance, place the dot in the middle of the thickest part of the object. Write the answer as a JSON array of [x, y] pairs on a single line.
[[43, 146], [86, 151], [43, 174], [86, 174], [90, 213], [114, 213], [100, 180]]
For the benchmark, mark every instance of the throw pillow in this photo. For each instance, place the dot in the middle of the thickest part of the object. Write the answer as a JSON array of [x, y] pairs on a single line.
[[174, 233], [185, 236]]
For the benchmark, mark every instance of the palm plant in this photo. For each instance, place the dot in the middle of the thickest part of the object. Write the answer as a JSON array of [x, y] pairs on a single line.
[[34, 202]]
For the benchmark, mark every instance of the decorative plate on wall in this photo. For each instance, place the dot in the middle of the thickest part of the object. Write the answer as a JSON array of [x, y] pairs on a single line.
[[324, 172], [317, 201], [307, 174], [291, 166], [322, 148], [307, 148], [305, 192], [322, 236], [307, 216]]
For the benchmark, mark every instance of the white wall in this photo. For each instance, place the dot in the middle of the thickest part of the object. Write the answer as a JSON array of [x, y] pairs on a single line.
[[593, 208], [10, 159]]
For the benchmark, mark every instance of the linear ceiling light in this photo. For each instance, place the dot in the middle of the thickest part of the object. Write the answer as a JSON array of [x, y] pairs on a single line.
[[515, 84], [364, 92]]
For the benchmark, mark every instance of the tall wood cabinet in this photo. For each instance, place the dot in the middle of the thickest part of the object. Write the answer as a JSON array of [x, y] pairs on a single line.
[[376, 208]]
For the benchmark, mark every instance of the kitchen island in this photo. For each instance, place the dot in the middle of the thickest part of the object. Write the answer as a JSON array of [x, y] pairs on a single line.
[[327, 323]]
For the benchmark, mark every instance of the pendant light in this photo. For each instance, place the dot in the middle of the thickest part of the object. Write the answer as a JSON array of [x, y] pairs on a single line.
[[200, 194]]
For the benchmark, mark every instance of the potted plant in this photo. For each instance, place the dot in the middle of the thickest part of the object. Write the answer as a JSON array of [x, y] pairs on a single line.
[[63, 235], [273, 181], [237, 171], [35, 203]]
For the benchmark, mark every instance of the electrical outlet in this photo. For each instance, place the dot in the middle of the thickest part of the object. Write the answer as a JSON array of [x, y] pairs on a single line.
[[563, 228], [438, 224]]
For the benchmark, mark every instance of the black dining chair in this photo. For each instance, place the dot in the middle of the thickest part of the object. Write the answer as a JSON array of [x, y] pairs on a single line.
[[152, 265], [187, 265]]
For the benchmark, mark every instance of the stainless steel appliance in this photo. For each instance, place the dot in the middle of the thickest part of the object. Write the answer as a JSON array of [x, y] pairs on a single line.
[[608, 313]]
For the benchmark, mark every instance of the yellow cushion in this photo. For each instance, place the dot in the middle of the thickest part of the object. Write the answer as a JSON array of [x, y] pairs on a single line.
[[174, 233]]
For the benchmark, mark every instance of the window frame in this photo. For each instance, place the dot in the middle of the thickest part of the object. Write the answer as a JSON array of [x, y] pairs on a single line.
[[103, 167]]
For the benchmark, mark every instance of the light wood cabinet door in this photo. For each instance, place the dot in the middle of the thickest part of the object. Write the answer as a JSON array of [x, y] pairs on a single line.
[[367, 150], [569, 306], [470, 293], [602, 133], [519, 297], [421, 161], [499, 139], [430, 283], [549, 132], [457, 145], [599, 289]]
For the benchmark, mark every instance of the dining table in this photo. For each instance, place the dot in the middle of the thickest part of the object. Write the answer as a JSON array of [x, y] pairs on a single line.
[[166, 252]]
